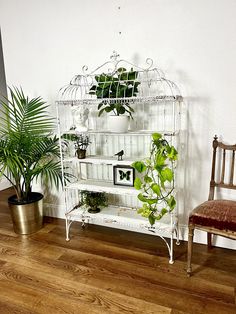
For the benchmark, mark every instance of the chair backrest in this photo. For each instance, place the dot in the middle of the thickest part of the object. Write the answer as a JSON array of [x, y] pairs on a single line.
[[222, 151]]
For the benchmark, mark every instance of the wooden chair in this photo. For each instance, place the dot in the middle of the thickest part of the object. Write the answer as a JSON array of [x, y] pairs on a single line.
[[215, 216]]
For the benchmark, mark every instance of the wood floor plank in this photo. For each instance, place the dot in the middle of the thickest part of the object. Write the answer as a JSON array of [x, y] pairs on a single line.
[[129, 284], [101, 300], [126, 253], [104, 270], [34, 301]]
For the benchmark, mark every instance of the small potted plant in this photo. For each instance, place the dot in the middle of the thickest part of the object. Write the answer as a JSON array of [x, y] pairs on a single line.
[[156, 183], [81, 143], [93, 200], [112, 88]]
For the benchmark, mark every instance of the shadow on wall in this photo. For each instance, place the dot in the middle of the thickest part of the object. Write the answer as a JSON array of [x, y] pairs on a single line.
[[198, 153]]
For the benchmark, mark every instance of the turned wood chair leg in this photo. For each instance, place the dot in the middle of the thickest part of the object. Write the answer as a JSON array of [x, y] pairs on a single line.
[[190, 250], [209, 238]]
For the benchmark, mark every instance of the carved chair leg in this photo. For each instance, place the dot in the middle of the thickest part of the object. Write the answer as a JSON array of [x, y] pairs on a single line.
[[190, 250], [209, 238]]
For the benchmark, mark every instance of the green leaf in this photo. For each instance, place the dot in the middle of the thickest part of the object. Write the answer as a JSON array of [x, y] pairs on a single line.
[[158, 217], [147, 179], [141, 197], [108, 109], [151, 219], [167, 175], [101, 78], [173, 154], [171, 202], [144, 199], [156, 136], [93, 89], [140, 210], [156, 189], [164, 211], [121, 70], [137, 183], [160, 161], [133, 75], [100, 105], [139, 166], [101, 112]]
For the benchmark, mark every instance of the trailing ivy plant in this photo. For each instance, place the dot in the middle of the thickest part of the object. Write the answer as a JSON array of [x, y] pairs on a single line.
[[120, 84], [156, 183]]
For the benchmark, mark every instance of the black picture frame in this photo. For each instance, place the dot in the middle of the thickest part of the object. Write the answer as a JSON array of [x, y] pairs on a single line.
[[123, 175]]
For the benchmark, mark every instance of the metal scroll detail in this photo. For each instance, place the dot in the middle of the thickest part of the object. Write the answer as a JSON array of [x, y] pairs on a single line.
[[152, 80]]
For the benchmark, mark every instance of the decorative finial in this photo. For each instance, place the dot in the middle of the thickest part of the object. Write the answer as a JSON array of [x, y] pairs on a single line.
[[215, 142], [114, 56]]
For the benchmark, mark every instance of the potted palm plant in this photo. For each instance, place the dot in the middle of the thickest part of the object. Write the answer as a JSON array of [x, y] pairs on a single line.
[[28, 150], [115, 86]]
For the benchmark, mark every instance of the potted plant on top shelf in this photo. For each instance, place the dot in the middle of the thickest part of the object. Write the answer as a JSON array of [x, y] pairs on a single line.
[[112, 88], [156, 185], [28, 150]]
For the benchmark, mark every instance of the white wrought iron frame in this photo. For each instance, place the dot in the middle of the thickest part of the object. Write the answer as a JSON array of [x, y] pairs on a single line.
[[154, 88]]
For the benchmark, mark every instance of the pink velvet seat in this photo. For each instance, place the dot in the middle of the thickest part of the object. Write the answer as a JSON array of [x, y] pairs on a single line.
[[216, 216]]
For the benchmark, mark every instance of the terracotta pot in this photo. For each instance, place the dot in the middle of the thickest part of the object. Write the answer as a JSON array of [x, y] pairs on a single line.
[[27, 217]]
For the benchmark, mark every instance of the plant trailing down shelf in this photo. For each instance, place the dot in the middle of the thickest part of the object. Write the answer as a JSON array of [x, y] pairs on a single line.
[[157, 170]]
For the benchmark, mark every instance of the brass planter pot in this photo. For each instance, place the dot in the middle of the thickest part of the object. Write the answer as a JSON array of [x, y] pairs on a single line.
[[27, 218]]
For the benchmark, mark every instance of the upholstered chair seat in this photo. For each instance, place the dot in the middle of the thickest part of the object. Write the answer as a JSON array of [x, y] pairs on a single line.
[[218, 214]]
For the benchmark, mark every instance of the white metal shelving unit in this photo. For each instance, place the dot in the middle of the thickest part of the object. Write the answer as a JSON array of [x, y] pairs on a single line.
[[158, 108]]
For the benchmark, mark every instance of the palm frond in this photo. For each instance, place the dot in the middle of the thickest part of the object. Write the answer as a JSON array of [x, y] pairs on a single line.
[[27, 148]]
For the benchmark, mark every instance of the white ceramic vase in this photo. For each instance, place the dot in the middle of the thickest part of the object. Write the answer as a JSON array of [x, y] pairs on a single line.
[[118, 124]]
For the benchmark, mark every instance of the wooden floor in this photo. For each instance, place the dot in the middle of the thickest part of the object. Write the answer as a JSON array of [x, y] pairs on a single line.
[[103, 270]]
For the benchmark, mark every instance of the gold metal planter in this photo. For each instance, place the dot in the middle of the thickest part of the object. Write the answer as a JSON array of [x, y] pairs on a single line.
[[27, 217]]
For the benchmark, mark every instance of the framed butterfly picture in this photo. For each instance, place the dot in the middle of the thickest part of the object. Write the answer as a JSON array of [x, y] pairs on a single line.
[[123, 175]]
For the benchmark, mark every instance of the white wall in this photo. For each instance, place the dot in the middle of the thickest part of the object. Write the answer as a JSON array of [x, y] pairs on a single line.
[[46, 43], [3, 92]]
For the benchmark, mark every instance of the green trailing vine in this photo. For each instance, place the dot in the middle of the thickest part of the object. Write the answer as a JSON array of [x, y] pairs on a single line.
[[156, 183]]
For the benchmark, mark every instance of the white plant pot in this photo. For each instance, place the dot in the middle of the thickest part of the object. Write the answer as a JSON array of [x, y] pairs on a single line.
[[118, 124]]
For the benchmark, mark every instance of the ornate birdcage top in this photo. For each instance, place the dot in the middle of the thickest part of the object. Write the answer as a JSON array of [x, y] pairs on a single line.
[[119, 80]]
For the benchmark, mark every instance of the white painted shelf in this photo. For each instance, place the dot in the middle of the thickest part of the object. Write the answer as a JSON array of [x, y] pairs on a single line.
[[122, 218], [135, 133], [103, 160], [90, 100], [102, 186]]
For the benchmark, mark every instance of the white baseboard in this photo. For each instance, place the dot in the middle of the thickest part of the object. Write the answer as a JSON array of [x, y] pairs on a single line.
[[4, 184]]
